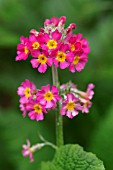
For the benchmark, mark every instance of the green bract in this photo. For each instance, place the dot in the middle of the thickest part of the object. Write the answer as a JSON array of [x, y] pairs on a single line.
[[73, 157]]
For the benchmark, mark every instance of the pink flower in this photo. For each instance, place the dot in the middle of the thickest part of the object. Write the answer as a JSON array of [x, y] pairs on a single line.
[[48, 97], [79, 44], [86, 97], [41, 61], [23, 109], [23, 49], [36, 110], [70, 106], [27, 151], [78, 63], [35, 42], [26, 91], [52, 41], [63, 57]]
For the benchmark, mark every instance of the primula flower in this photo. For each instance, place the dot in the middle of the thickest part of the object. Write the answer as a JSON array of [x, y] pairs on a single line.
[[52, 41], [23, 108], [27, 151], [79, 44], [63, 57], [36, 42], [41, 61], [78, 63], [70, 106], [36, 110], [26, 91], [48, 97], [23, 49], [85, 98]]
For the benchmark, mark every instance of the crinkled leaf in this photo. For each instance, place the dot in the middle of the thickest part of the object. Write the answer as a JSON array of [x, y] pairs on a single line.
[[73, 157]]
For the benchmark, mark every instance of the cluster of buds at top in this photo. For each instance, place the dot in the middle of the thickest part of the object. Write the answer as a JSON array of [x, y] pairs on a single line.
[[54, 44], [37, 102]]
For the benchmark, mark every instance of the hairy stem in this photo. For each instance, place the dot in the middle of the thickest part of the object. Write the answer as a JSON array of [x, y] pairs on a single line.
[[59, 119]]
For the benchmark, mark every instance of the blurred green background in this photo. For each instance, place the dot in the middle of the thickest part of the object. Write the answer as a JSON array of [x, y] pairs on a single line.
[[93, 131]]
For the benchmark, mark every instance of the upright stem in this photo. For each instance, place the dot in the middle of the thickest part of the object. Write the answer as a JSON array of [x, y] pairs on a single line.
[[59, 120]]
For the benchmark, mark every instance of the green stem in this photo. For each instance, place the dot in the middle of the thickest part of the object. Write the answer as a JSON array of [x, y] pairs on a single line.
[[59, 119]]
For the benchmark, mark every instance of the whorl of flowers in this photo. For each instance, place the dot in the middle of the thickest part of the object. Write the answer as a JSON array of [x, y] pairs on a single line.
[[54, 44]]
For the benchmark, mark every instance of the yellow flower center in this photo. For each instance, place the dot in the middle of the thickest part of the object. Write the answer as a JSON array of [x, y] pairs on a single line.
[[27, 92], [37, 108], [51, 44], [73, 47], [26, 51], [61, 56], [42, 59], [76, 60], [48, 96], [35, 45], [70, 105]]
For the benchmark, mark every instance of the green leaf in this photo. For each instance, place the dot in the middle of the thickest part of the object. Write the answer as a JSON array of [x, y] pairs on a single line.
[[73, 157]]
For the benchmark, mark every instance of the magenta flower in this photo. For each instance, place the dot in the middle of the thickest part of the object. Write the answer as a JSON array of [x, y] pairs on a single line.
[[36, 110], [23, 49], [23, 108], [70, 106], [79, 44], [63, 57], [26, 91], [86, 97], [48, 97], [27, 151], [78, 63], [35, 42], [41, 61], [52, 41]]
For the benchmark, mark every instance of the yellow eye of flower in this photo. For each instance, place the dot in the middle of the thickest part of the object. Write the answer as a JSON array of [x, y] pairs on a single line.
[[26, 51], [48, 96], [70, 105], [76, 60], [42, 59], [27, 92], [51, 44], [73, 47], [35, 45], [37, 108], [61, 57]]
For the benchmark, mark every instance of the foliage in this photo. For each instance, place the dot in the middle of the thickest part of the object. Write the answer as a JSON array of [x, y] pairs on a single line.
[[71, 157]]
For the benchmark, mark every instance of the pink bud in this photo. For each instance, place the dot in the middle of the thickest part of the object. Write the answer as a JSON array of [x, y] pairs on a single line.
[[62, 19], [72, 26]]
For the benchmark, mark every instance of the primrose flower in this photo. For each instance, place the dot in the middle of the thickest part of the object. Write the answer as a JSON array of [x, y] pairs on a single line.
[[52, 41], [48, 97], [41, 61], [85, 98], [79, 44], [63, 57], [27, 151], [26, 91], [70, 106], [36, 110], [23, 49], [78, 63]]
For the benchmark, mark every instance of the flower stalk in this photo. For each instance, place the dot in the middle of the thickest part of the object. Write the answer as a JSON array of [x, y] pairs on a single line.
[[59, 119]]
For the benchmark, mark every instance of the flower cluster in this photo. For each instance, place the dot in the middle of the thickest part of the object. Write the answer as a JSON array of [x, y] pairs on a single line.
[[56, 45], [38, 102], [75, 100]]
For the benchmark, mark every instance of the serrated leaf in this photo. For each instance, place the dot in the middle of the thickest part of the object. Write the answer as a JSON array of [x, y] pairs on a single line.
[[73, 157]]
